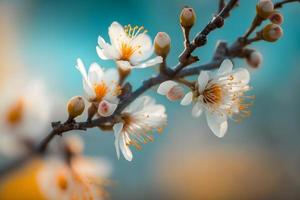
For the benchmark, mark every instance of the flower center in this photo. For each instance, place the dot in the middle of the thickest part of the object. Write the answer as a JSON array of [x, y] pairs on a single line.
[[62, 181], [15, 113], [213, 94], [127, 49], [100, 90]]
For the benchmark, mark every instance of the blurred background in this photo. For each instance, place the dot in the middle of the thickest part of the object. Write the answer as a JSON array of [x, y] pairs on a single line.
[[259, 158]]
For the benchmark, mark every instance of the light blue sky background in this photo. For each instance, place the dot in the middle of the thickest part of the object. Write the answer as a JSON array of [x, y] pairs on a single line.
[[52, 34]]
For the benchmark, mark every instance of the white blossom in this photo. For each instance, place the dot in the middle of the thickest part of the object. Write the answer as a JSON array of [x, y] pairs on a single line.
[[100, 87], [140, 119], [130, 47], [220, 96]]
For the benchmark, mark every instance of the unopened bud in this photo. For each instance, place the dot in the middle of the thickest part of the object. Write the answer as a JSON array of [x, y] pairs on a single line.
[[264, 8], [255, 59], [187, 17], [75, 106], [272, 32], [276, 18], [162, 43], [175, 93]]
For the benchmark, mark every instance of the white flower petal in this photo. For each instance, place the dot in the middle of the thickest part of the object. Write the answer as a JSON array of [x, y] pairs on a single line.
[[241, 75], [217, 123], [117, 132], [203, 79], [109, 52], [95, 74], [124, 148], [117, 34], [187, 99], [151, 62], [197, 110], [164, 87], [225, 68], [145, 49], [80, 66], [106, 108], [101, 42], [88, 90]]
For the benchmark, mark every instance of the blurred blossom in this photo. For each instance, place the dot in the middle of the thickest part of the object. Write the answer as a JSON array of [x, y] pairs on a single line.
[[57, 178], [24, 115]]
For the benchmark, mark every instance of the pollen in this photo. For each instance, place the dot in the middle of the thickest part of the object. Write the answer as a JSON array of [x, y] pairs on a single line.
[[15, 113], [100, 90]]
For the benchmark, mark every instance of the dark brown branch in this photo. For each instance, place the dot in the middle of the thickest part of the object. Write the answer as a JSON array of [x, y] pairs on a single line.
[[280, 4], [201, 38], [221, 5]]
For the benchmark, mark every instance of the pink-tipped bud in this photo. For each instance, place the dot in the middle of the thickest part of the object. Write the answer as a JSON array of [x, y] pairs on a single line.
[[187, 17], [264, 8], [75, 106], [175, 93], [272, 32], [276, 18], [162, 44], [255, 59]]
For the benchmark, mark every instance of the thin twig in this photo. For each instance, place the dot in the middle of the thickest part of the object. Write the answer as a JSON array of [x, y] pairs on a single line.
[[280, 4]]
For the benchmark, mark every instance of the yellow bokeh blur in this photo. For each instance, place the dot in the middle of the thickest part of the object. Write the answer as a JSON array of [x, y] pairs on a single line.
[[22, 184]]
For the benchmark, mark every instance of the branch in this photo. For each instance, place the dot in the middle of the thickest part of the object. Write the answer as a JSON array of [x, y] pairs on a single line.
[[185, 57], [280, 4]]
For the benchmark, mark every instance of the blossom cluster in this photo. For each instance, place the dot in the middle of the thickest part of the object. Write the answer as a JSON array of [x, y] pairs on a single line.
[[219, 95]]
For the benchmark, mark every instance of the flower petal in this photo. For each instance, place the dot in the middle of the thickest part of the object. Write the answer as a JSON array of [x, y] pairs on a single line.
[[217, 123], [187, 99], [242, 76], [164, 87], [95, 74], [151, 62], [117, 34], [117, 132], [106, 108], [124, 148], [203, 79], [109, 52], [143, 44], [80, 66], [197, 110], [225, 68]]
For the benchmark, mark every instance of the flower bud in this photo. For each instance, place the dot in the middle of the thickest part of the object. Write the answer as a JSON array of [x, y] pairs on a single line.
[[75, 106], [264, 8], [276, 18], [162, 43], [187, 17], [175, 93], [272, 32], [254, 59]]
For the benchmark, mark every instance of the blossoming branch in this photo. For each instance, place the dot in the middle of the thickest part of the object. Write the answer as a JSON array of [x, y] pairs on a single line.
[[217, 89]]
